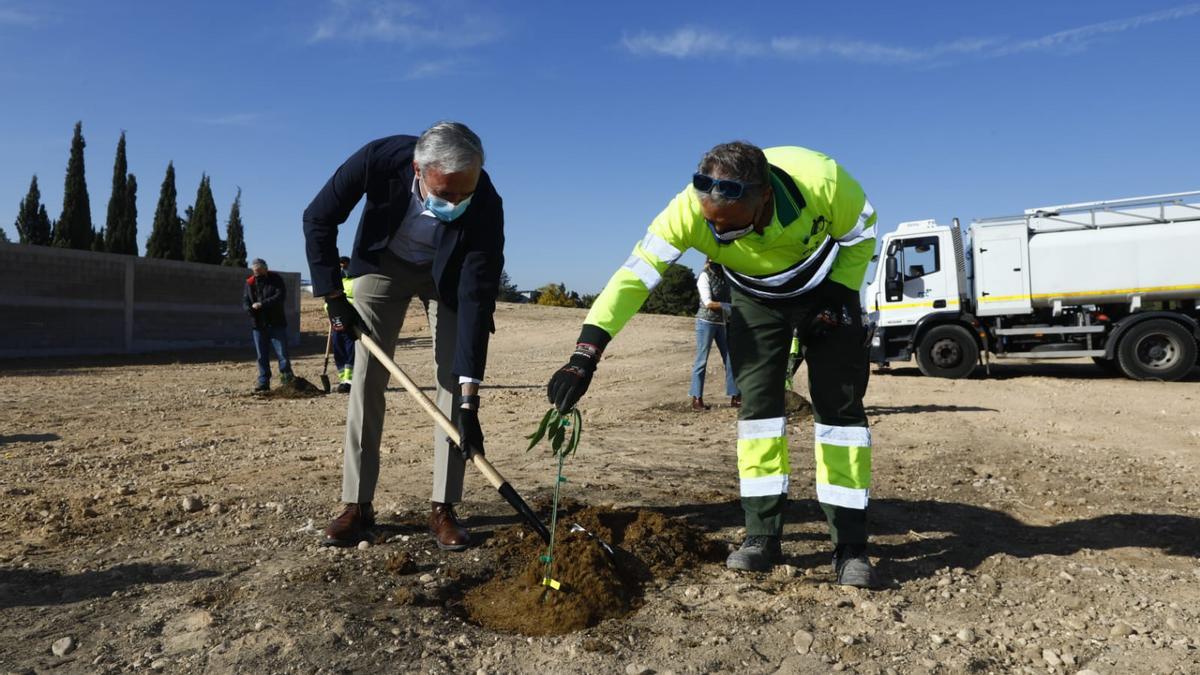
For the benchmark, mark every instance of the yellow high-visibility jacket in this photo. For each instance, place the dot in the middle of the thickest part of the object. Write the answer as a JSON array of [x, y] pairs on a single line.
[[823, 227]]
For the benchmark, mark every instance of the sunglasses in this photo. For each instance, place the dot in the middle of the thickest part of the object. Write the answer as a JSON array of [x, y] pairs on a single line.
[[729, 189]]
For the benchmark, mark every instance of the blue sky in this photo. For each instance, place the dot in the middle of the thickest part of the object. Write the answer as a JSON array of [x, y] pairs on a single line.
[[594, 115]]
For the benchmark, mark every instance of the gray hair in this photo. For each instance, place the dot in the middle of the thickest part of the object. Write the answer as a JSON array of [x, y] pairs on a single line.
[[258, 262], [449, 147], [740, 161]]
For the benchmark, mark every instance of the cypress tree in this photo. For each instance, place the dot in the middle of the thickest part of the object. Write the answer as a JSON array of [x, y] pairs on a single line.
[[235, 237], [114, 226], [4, 236], [201, 239], [33, 225], [128, 238], [74, 226], [98, 244], [166, 235]]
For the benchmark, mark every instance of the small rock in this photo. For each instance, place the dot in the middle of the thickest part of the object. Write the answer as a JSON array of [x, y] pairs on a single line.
[[192, 504], [638, 669], [1089, 671], [1051, 658], [936, 639], [159, 664], [803, 641], [124, 490], [691, 592], [988, 584], [63, 646], [259, 625], [217, 509], [846, 639], [426, 578], [965, 635], [786, 571], [364, 545], [1120, 629]]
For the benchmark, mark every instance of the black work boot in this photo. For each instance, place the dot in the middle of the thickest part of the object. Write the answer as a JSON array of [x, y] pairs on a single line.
[[852, 566], [352, 526], [758, 553]]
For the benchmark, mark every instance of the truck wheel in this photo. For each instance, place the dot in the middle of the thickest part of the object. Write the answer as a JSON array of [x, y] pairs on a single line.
[[947, 351], [1158, 349]]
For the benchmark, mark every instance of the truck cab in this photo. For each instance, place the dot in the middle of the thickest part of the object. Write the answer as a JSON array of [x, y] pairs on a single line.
[[920, 281]]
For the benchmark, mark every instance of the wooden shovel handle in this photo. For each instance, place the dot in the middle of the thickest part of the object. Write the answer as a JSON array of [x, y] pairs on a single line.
[[485, 467]]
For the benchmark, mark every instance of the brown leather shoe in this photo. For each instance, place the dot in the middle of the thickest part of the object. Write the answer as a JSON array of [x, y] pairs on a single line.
[[352, 526], [735, 401], [443, 523], [698, 403]]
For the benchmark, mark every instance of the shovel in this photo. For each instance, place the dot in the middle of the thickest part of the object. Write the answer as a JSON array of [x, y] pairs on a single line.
[[485, 467], [325, 368]]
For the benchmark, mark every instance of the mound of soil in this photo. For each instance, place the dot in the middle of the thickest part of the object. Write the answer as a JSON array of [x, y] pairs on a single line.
[[596, 584], [297, 388]]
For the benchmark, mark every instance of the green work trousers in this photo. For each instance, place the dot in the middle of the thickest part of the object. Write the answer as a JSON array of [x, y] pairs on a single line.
[[760, 337]]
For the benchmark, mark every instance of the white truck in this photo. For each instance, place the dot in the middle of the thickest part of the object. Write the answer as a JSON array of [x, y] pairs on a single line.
[[1117, 281]]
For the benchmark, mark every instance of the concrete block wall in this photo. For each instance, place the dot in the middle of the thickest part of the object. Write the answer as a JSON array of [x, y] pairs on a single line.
[[57, 301]]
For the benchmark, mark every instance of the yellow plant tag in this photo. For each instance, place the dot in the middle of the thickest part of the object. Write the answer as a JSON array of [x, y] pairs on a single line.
[[547, 581]]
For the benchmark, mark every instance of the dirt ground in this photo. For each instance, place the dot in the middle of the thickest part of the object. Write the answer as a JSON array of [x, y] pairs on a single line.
[[161, 517]]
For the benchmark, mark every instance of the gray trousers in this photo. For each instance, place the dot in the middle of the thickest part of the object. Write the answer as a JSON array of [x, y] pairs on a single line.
[[382, 300]]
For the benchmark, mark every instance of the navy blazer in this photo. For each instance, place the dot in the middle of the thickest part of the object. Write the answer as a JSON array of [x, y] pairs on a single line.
[[469, 252]]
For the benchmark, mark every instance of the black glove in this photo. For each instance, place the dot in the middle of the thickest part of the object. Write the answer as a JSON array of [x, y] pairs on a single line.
[[469, 433], [840, 307], [570, 383], [344, 318]]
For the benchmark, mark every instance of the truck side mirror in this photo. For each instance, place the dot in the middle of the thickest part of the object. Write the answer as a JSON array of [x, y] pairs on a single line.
[[893, 284]]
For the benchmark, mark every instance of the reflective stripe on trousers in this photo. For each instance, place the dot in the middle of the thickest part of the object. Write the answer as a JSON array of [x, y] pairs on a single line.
[[843, 459], [763, 457]]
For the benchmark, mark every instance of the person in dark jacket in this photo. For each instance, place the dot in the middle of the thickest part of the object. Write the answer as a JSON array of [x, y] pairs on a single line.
[[263, 298], [432, 228]]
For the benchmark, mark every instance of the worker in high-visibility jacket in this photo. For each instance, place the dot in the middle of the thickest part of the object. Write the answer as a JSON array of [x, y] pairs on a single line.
[[794, 233], [343, 342]]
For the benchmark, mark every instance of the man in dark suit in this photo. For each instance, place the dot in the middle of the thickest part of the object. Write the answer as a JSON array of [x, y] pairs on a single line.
[[432, 228]]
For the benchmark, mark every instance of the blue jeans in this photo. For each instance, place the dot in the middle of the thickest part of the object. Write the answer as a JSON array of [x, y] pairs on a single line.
[[706, 333], [266, 339]]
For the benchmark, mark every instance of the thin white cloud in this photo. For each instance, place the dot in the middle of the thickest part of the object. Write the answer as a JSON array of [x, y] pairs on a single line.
[[240, 119], [428, 69], [13, 15], [407, 24], [1076, 39], [690, 42]]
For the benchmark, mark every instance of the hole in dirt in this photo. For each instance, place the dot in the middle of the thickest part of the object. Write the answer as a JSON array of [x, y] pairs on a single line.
[[596, 585]]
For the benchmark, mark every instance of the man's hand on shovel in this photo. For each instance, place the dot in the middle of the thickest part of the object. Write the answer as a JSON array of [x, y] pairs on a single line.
[[343, 318], [469, 433]]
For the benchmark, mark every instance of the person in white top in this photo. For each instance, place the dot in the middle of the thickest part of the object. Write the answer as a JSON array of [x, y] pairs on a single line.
[[711, 327]]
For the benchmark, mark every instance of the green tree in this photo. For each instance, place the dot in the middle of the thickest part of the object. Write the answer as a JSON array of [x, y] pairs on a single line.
[[675, 294], [555, 295], [235, 235], [508, 290], [128, 238], [4, 236], [74, 227], [33, 225], [117, 237], [98, 239], [166, 235], [201, 239]]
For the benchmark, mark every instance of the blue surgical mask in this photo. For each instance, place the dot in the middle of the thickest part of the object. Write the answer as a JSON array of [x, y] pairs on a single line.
[[446, 211], [728, 237]]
